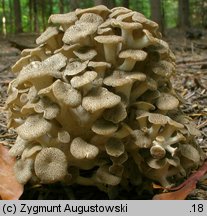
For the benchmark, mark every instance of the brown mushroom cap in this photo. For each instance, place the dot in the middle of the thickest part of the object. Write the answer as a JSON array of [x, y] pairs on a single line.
[[167, 102], [47, 34], [100, 98], [109, 39], [137, 55], [83, 150], [75, 67], [34, 126], [90, 18], [67, 18], [82, 80], [163, 68], [23, 170], [103, 127], [66, 94], [119, 78], [18, 147], [99, 9], [120, 111], [114, 147], [77, 33], [85, 54], [50, 165], [103, 176]]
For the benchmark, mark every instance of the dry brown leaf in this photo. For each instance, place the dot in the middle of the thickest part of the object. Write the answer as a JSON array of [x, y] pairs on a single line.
[[184, 189], [177, 195], [10, 189]]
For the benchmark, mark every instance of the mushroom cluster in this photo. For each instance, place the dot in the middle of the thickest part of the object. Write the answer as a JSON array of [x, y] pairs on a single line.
[[93, 104]]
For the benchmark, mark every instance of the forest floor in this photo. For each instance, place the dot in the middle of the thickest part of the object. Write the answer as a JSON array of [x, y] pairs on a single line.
[[190, 81]]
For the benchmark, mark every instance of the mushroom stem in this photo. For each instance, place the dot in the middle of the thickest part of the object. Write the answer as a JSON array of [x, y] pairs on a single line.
[[110, 52], [125, 90], [127, 65], [138, 91], [168, 131]]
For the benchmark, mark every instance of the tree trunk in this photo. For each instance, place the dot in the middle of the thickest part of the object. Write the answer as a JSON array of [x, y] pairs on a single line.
[[17, 15], [36, 23], [43, 14], [183, 14], [61, 6], [157, 14], [11, 20], [50, 2], [107, 3], [125, 3], [4, 21], [31, 15]]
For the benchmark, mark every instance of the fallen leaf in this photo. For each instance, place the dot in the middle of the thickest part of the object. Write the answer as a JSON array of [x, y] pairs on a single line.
[[184, 189], [177, 195], [10, 189]]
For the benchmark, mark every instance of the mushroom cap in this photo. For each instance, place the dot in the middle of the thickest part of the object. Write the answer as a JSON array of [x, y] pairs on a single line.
[[103, 176], [109, 39], [63, 136], [80, 149], [90, 18], [30, 150], [99, 65], [18, 147], [126, 25], [157, 152], [120, 111], [78, 32], [82, 80], [67, 18], [114, 147], [116, 169], [100, 98], [118, 11], [49, 109], [36, 71], [167, 101], [142, 105], [103, 127], [137, 55], [47, 34], [74, 68], [99, 9], [163, 68], [23, 170], [140, 139], [120, 78], [34, 126], [50, 165], [85, 55], [190, 153], [66, 94]]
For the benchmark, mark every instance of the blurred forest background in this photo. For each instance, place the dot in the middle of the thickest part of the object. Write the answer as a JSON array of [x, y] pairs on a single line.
[[31, 15]]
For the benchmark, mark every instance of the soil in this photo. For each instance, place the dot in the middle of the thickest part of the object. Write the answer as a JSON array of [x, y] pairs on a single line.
[[190, 82]]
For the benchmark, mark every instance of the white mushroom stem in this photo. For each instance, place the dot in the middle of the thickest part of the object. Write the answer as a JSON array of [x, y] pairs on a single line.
[[166, 143], [139, 43], [110, 52], [125, 90], [153, 131], [127, 65]]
